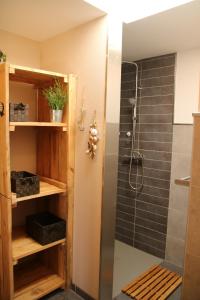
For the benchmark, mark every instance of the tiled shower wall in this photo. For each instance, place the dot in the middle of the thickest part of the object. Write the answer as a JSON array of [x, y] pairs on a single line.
[[142, 218], [179, 194]]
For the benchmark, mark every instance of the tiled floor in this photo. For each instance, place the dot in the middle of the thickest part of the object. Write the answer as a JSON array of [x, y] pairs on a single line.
[[129, 263], [62, 295]]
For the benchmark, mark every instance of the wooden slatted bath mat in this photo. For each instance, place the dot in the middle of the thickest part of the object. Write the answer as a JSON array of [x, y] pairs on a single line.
[[156, 283]]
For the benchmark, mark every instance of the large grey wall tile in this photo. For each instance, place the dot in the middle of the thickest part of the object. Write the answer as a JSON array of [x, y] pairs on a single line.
[[182, 139], [177, 221], [175, 251], [178, 202], [179, 196], [181, 165]]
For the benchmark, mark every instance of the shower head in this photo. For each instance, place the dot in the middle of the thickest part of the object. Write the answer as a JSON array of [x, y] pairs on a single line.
[[132, 101]]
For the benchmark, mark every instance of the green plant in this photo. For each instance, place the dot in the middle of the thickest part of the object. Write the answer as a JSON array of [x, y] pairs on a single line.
[[2, 56], [56, 95]]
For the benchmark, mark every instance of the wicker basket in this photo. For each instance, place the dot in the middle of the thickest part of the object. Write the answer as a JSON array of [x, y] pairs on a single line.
[[19, 112], [24, 183], [45, 228]]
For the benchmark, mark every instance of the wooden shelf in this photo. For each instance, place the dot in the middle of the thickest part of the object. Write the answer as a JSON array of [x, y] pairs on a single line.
[[35, 281], [13, 125], [23, 245], [183, 181], [46, 189], [33, 76]]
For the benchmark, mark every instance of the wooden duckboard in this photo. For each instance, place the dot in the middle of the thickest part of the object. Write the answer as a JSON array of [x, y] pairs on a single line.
[[156, 283]]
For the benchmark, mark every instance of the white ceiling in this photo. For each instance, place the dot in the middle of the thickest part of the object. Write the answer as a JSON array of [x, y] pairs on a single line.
[[167, 32], [42, 19], [171, 31]]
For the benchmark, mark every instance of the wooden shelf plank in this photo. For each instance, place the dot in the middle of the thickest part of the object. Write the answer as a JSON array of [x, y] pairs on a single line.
[[183, 181], [35, 281], [37, 124], [46, 189], [40, 288], [23, 245], [27, 73]]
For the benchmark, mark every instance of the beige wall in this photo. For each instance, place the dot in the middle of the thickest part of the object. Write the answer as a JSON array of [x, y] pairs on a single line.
[[19, 50], [22, 51], [83, 51], [186, 85]]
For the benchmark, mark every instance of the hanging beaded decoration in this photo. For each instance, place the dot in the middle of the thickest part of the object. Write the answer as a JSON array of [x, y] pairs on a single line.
[[93, 139]]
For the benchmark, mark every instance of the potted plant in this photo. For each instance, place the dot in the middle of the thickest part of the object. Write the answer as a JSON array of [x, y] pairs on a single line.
[[56, 96], [2, 57]]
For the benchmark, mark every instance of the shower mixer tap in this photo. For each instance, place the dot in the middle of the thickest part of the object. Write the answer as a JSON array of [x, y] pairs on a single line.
[[135, 157]]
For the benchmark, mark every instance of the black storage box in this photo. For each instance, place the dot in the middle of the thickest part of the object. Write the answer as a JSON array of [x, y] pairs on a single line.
[[24, 183], [19, 112], [45, 228]]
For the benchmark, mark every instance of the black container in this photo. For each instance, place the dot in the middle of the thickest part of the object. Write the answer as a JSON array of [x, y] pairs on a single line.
[[18, 112], [45, 228], [24, 183]]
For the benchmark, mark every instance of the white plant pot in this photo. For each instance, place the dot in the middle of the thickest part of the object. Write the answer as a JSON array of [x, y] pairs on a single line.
[[56, 116]]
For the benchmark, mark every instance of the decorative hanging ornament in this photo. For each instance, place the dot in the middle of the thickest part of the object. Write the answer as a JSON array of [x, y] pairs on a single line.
[[93, 139]]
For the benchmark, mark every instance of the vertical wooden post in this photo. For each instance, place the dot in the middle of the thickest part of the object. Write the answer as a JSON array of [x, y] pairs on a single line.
[[4, 133], [1, 261], [6, 260], [70, 172], [6, 277]]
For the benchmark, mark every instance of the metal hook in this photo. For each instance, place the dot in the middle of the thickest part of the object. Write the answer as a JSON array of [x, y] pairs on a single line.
[[81, 119], [95, 115]]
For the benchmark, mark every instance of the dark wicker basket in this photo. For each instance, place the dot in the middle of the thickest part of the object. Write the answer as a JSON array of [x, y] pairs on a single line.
[[45, 228], [24, 183], [19, 112]]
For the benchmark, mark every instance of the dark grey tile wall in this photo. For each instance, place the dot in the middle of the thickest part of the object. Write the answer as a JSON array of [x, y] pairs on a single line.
[[142, 218]]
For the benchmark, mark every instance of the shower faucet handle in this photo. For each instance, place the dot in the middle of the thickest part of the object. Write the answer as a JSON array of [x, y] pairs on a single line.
[[128, 133]]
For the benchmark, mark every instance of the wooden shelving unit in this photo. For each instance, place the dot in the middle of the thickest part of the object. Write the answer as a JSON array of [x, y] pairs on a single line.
[[29, 270]]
